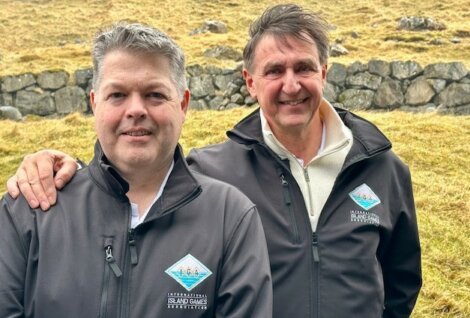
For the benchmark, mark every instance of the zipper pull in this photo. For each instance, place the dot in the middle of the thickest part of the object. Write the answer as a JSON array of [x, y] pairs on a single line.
[[316, 256], [307, 177], [285, 186], [111, 261], [133, 248]]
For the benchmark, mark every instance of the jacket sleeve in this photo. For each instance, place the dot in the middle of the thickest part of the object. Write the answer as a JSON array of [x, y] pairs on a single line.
[[13, 257], [246, 288], [402, 261]]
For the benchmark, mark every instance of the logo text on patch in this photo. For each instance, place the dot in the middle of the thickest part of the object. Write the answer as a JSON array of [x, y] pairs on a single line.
[[188, 272]]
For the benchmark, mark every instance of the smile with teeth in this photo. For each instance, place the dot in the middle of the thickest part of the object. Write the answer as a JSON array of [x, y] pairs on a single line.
[[294, 102], [137, 133]]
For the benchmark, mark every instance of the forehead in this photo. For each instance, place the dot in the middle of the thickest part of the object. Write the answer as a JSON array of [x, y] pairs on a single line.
[[130, 66], [272, 47]]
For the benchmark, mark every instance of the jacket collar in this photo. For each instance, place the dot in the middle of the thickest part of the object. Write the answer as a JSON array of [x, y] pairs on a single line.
[[368, 139], [180, 188]]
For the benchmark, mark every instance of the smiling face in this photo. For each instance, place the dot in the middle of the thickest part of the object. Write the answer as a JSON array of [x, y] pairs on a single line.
[[287, 79], [138, 112]]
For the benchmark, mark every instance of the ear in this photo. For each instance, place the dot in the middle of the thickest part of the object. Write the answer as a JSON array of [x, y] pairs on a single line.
[[185, 102], [93, 100], [324, 72], [249, 83]]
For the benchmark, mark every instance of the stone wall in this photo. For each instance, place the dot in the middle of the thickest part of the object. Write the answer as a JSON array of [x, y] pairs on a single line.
[[441, 87]]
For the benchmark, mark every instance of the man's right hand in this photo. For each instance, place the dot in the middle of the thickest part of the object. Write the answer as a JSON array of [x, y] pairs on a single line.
[[39, 175]]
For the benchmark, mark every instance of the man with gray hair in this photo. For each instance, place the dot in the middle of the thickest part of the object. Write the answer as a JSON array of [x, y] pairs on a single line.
[[136, 234], [335, 202]]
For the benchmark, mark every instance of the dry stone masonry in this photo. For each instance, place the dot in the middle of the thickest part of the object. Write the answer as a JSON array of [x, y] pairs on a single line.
[[377, 85]]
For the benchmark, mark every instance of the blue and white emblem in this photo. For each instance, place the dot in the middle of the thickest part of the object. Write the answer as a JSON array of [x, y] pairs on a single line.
[[364, 197], [188, 272]]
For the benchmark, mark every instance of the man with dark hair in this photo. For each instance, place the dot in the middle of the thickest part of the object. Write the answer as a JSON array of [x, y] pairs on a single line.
[[335, 202], [136, 234]]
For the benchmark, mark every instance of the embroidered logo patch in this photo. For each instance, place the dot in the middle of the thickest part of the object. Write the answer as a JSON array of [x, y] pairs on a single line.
[[364, 197], [188, 272]]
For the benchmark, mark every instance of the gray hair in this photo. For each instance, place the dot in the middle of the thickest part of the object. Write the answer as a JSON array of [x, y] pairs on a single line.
[[285, 20], [139, 38]]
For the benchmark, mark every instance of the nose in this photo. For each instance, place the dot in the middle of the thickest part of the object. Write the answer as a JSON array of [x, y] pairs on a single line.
[[136, 108], [291, 84]]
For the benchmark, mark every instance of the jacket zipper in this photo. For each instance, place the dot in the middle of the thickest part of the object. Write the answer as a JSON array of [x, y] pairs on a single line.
[[316, 275], [132, 247], [110, 265], [288, 203]]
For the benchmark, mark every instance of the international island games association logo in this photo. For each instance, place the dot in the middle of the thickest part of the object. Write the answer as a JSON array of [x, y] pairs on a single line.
[[188, 272]]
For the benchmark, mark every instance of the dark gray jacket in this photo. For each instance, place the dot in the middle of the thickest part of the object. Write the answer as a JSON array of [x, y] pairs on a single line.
[[201, 251], [363, 261]]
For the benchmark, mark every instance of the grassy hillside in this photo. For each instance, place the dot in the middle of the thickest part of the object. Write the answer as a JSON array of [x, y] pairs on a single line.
[[40, 35], [435, 147]]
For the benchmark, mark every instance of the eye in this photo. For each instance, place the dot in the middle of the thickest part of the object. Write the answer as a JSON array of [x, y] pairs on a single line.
[[305, 68], [156, 96], [116, 95], [273, 72]]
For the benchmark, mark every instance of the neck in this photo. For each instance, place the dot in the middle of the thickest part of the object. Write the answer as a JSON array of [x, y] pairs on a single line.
[[143, 187], [303, 143]]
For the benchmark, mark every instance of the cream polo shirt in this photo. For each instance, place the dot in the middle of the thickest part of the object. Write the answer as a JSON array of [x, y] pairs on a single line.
[[316, 178]]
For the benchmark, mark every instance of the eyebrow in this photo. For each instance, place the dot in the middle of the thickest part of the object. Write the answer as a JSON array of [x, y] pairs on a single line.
[[146, 85], [275, 64]]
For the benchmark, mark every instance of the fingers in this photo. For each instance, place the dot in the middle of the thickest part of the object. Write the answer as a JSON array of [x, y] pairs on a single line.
[[12, 187], [64, 171], [35, 179]]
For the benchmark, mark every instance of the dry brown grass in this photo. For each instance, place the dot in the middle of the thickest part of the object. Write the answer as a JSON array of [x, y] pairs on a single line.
[[42, 35], [435, 147]]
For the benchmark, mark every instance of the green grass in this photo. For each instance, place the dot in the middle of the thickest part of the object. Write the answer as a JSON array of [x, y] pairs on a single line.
[[435, 147]]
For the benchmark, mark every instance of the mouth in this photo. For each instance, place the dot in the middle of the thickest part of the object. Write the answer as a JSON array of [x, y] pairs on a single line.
[[293, 102], [137, 133]]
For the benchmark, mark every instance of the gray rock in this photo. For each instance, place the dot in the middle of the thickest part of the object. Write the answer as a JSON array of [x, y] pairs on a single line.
[[330, 93], [363, 80], [465, 80], [201, 86], [70, 99], [355, 35], [357, 67], [448, 71], [420, 92], [6, 99], [215, 26], [216, 102], [52, 80], [405, 70], [389, 94], [199, 104], [222, 52], [82, 77], [357, 99], [455, 40], [437, 84], [195, 70], [337, 74], [437, 42], [419, 24], [231, 106], [455, 94], [10, 113], [213, 70], [231, 89], [221, 81], [237, 99], [32, 102], [458, 110], [379, 67], [428, 108], [15, 83], [244, 91], [250, 101], [337, 49]]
